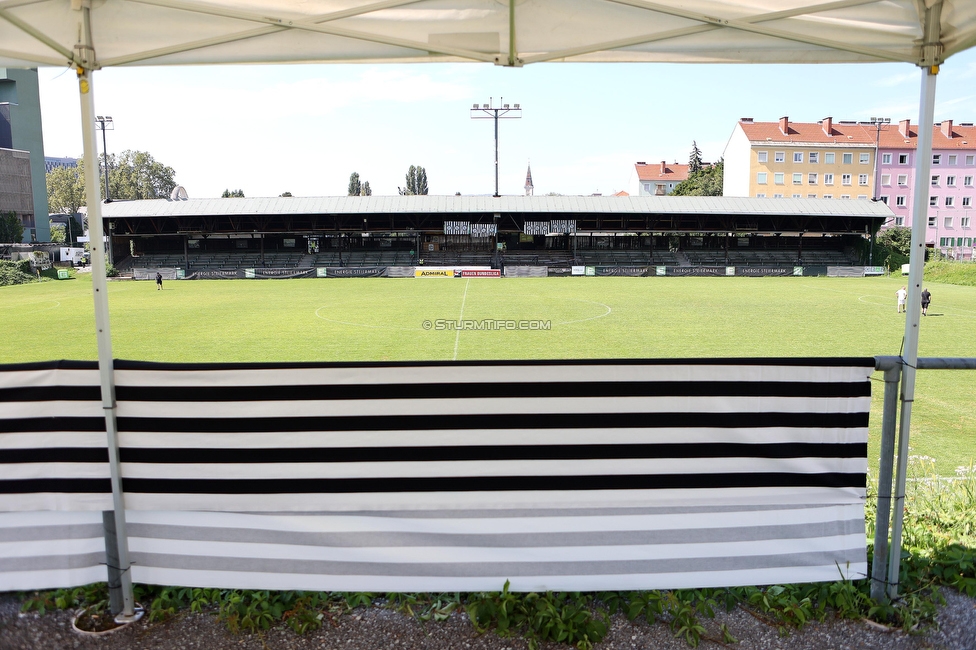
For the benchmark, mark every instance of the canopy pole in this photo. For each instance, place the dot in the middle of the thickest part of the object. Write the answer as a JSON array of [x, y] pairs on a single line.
[[923, 161], [103, 332]]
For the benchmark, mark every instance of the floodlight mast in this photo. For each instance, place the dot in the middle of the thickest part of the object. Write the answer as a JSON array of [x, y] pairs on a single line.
[[103, 124], [490, 111]]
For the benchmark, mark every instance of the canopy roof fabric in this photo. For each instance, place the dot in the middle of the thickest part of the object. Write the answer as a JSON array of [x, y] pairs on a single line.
[[505, 32]]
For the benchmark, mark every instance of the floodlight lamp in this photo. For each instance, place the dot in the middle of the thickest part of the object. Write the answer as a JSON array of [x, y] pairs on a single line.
[[504, 105], [484, 106], [99, 118], [475, 106], [516, 106]]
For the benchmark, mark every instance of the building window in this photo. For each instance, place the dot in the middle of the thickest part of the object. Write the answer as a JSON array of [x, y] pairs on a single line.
[[862, 196], [780, 156], [777, 196], [848, 159], [945, 241], [763, 156], [797, 196], [936, 159], [900, 201], [952, 159], [964, 222], [778, 178], [967, 201], [862, 179], [797, 156], [933, 201], [886, 159], [811, 196], [931, 222], [829, 157], [935, 181], [811, 179], [760, 196], [903, 159], [761, 178], [828, 196], [813, 157], [865, 158], [950, 181], [947, 222], [884, 199], [845, 196], [967, 181], [950, 201], [903, 179], [828, 179], [798, 178], [899, 221], [886, 179], [845, 179], [970, 160]]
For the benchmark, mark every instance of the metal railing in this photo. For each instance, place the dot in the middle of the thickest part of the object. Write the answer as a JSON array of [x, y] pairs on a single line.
[[886, 566]]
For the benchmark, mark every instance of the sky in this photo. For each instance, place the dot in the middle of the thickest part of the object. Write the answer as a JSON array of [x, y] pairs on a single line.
[[269, 129]]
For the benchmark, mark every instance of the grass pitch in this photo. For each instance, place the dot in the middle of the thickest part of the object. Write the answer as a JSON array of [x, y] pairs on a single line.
[[386, 319]]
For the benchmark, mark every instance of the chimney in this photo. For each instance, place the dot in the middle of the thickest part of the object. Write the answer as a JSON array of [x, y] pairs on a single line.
[[947, 128], [903, 127], [784, 125], [828, 125], [664, 167], [747, 120]]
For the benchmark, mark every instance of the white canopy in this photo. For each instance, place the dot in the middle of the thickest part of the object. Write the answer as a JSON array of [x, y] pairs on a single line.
[[506, 32]]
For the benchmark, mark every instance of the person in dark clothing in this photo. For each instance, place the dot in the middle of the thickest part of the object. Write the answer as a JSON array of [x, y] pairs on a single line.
[[159, 281], [926, 299]]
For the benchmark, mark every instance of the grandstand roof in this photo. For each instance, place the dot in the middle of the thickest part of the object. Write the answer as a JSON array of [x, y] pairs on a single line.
[[456, 205]]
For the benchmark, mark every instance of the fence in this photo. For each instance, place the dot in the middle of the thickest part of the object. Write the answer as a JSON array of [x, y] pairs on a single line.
[[565, 475]]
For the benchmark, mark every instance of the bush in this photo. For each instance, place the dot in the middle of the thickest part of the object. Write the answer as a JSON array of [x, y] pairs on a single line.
[[18, 272]]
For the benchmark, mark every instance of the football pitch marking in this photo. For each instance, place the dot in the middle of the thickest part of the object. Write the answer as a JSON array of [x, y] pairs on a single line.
[[351, 324], [457, 335], [29, 304], [583, 320]]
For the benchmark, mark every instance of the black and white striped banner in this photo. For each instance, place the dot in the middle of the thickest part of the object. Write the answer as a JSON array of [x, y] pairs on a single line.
[[578, 475]]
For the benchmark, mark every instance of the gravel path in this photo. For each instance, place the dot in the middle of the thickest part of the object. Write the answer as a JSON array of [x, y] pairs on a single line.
[[375, 628]]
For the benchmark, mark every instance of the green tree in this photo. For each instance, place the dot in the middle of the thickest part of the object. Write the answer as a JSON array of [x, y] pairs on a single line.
[[365, 190], [416, 181], [59, 234], [695, 159], [705, 182], [11, 228], [285, 194], [66, 189], [232, 194], [355, 187], [137, 175], [896, 238]]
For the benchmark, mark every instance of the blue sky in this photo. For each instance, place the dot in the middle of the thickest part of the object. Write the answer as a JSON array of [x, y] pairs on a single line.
[[305, 128]]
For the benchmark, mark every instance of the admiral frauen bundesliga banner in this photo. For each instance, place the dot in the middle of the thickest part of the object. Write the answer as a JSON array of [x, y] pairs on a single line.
[[562, 475]]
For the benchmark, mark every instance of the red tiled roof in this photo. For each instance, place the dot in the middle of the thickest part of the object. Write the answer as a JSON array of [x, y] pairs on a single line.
[[811, 132], [622, 193], [963, 137], [652, 172]]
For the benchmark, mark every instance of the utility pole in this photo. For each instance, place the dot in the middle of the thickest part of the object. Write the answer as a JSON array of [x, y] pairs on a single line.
[[104, 123], [490, 111], [878, 122]]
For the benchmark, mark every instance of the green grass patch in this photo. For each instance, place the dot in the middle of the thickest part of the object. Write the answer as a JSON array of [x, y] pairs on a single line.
[[961, 273], [383, 319]]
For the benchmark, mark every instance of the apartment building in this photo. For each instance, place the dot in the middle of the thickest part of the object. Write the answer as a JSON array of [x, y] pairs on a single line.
[[815, 160], [658, 180], [951, 189]]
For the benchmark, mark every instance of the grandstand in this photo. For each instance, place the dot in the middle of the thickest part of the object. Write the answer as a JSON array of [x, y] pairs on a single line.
[[237, 235]]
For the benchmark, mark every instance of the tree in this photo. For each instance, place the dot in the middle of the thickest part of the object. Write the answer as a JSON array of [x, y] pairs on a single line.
[[285, 194], [66, 189], [232, 194], [355, 187], [137, 175], [366, 191], [695, 159], [897, 239], [706, 182], [11, 228], [416, 181]]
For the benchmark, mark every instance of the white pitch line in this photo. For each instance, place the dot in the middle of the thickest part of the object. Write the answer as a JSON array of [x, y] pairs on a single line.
[[457, 335]]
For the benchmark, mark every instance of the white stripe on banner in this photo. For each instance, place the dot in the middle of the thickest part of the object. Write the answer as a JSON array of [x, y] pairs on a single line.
[[609, 475]]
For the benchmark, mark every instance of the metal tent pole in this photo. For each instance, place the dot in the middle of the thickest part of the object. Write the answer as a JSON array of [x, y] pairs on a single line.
[[103, 333], [923, 160], [879, 565]]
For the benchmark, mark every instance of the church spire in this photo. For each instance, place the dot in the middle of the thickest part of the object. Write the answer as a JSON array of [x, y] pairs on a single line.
[[529, 187]]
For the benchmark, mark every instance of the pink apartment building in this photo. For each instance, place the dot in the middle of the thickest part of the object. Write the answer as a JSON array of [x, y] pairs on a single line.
[[950, 213]]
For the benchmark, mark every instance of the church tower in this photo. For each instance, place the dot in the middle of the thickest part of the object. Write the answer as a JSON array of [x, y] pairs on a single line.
[[529, 188]]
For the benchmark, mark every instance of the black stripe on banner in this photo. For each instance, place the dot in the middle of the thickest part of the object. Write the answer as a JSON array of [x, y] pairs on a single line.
[[492, 390], [489, 453], [55, 455], [497, 421], [817, 362], [51, 393], [493, 483], [55, 423], [63, 485]]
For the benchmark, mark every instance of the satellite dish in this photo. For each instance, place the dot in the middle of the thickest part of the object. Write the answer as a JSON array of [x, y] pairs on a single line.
[[178, 194]]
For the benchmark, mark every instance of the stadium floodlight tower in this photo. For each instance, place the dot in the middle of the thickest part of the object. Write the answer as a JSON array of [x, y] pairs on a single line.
[[104, 123], [490, 111]]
